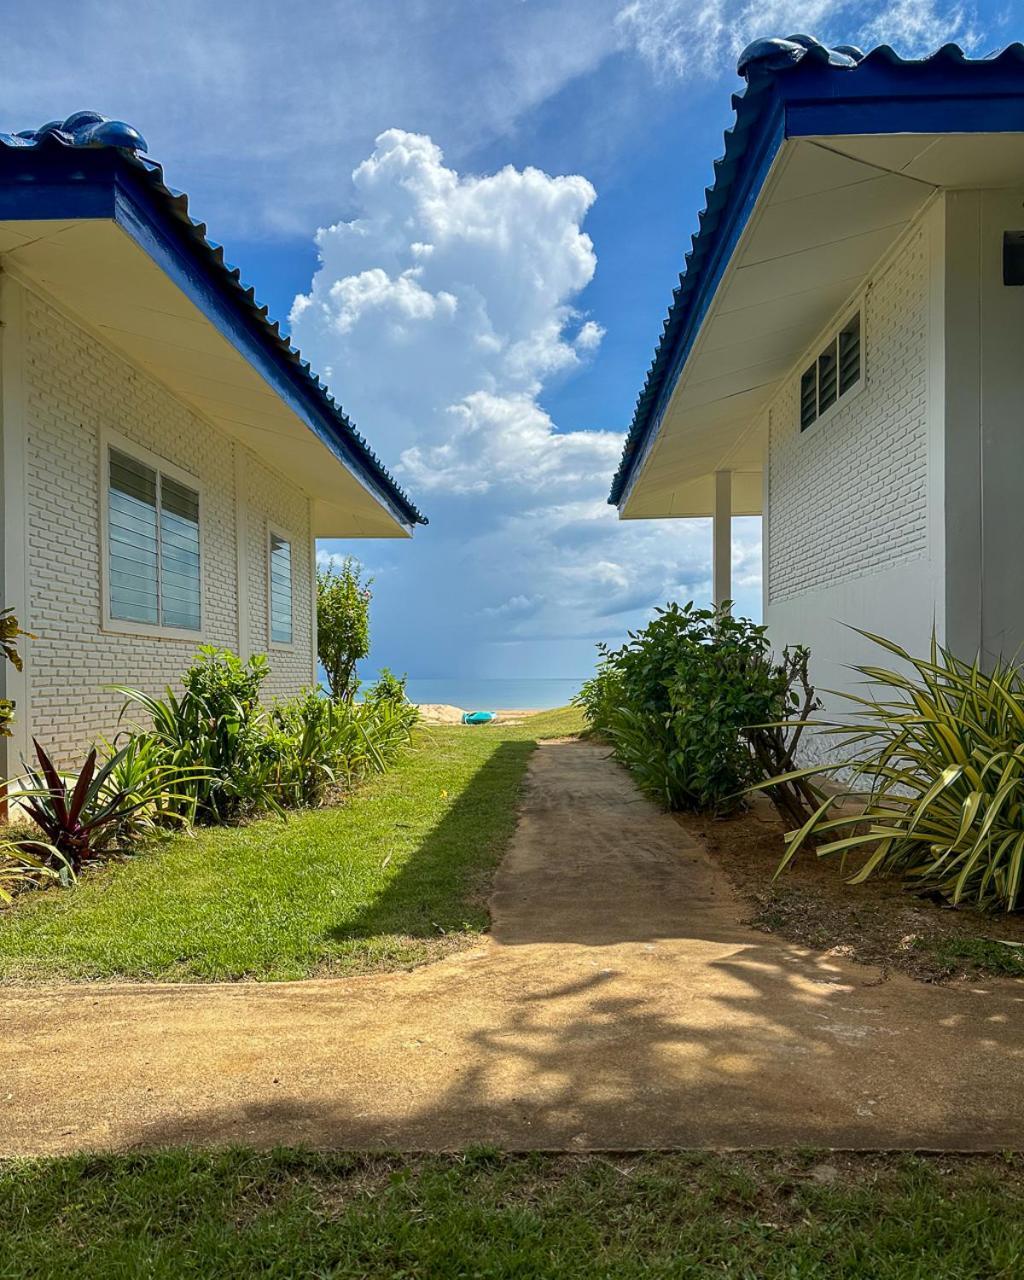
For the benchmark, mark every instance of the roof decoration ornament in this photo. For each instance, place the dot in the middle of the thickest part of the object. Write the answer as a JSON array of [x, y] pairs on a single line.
[[765, 57], [86, 129]]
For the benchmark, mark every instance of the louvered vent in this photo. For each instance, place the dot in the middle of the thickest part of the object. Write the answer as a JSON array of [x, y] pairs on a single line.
[[808, 398], [849, 355], [833, 375]]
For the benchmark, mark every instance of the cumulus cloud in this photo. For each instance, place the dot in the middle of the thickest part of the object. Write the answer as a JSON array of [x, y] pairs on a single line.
[[698, 37], [443, 308]]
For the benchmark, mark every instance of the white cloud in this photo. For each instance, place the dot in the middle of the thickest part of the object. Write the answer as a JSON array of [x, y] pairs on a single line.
[[699, 37], [257, 107], [444, 307]]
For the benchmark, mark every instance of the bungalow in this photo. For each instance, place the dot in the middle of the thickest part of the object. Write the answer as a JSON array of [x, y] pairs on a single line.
[[844, 354], [167, 460]]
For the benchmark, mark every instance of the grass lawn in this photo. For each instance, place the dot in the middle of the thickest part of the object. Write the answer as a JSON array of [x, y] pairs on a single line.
[[394, 877], [292, 1215]]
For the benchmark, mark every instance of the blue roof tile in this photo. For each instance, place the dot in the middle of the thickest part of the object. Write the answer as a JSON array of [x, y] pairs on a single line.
[[88, 129], [772, 67]]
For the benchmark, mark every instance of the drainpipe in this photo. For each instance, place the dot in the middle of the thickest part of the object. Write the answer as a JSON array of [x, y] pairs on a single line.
[[721, 540]]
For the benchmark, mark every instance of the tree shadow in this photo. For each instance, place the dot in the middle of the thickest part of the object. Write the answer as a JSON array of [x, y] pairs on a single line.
[[786, 1052]]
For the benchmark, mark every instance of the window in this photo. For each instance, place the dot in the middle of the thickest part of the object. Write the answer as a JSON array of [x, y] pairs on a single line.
[[280, 589], [152, 546], [835, 373]]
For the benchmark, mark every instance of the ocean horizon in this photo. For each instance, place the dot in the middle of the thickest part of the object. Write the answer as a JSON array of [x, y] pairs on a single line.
[[491, 694]]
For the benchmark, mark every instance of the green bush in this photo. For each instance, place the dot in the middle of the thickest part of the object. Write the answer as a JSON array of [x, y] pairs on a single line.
[[215, 735], [213, 754], [690, 705], [932, 759], [320, 745], [388, 688], [238, 758]]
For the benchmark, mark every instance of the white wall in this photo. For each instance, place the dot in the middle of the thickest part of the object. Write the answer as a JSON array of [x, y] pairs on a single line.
[[72, 388], [854, 529], [985, 426]]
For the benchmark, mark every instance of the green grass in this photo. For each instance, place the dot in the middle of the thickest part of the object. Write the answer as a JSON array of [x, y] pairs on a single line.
[[975, 955], [289, 1215], [392, 878]]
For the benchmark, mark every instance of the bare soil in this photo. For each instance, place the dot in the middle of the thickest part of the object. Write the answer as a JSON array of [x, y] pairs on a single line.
[[879, 923], [617, 1005]]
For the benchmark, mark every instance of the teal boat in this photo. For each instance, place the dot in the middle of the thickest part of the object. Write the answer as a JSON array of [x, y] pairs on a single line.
[[478, 717]]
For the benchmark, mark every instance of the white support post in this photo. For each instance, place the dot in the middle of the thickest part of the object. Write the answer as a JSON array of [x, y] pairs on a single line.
[[721, 540]]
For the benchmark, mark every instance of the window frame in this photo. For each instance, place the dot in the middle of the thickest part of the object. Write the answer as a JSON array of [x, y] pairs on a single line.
[[812, 360], [277, 530], [125, 626]]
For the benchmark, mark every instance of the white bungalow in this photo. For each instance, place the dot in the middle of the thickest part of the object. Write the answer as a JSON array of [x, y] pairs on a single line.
[[167, 461], [845, 352]]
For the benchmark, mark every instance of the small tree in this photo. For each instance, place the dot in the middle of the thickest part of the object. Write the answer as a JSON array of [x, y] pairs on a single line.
[[343, 624]]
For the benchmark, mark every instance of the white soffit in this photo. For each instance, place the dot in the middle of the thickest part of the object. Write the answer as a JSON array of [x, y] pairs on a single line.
[[823, 220], [99, 275]]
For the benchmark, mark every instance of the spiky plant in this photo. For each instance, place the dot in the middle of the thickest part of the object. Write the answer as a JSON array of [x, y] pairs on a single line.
[[930, 762]]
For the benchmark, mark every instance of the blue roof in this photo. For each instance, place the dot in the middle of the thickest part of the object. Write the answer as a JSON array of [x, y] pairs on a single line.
[[798, 87], [128, 171]]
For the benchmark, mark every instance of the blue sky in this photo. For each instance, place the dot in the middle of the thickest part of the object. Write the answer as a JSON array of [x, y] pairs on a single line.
[[507, 189]]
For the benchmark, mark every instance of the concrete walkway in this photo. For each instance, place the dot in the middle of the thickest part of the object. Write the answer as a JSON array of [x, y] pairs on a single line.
[[619, 1005]]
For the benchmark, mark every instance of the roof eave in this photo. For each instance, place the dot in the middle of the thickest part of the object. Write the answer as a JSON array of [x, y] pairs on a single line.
[[54, 181], [812, 96]]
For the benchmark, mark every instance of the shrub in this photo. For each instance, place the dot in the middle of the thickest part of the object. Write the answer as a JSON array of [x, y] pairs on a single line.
[[22, 869], [323, 744], [10, 630], [83, 814], [692, 706], [235, 758], [343, 625], [215, 736], [938, 751], [388, 688]]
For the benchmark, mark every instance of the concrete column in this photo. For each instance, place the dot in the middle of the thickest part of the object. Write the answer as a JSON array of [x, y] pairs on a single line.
[[721, 539]]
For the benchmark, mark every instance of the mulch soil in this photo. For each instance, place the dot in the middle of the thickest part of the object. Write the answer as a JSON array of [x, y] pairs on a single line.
[[881, 922]]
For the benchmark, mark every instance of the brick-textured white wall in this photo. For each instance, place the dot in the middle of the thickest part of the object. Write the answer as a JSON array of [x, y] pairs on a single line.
[[287, 510], [75, 387], [848, 497]]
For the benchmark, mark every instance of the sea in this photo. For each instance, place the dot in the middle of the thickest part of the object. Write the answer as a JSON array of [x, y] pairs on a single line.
[[491, 695]]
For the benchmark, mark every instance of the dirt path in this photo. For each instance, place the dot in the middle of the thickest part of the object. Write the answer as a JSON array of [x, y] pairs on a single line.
[[619, 1004]]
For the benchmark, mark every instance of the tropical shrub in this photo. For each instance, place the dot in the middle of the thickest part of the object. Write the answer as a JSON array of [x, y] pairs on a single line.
[[235, 758], [343, 625], [83, 814], [10, 630], [215, 736], [387, 688], [22, 869], [692, 705], [931, 767]]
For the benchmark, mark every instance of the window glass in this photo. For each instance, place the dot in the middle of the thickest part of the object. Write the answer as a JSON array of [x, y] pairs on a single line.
[[180, 586], [280, 589], [133, 539], [153, 535]]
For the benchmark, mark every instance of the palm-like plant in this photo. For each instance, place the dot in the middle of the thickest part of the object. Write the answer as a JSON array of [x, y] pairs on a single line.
[[19, 868], [82, 819], [932, 767]]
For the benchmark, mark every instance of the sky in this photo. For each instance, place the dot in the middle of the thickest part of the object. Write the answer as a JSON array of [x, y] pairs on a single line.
[[470, 214]]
